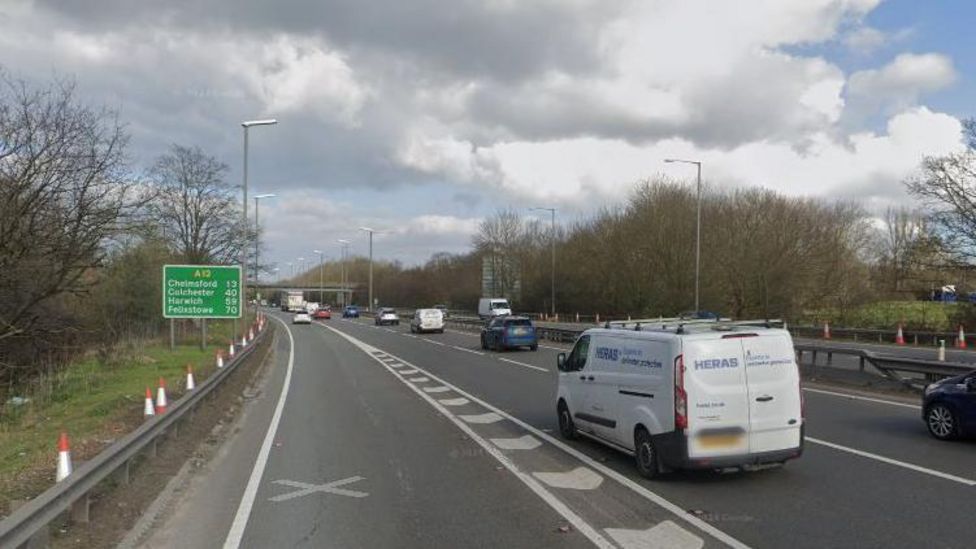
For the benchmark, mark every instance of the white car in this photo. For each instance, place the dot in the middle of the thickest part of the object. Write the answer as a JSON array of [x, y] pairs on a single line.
[[427, 320], [385, 316], [301, 318], [682, 394]]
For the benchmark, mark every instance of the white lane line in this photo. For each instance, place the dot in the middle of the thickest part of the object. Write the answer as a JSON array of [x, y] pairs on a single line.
[[435, 342], [864, 398], [236, 532], [524, 442], [440, 389], [580, 478], [895, 462], [454, 401], [420, 379], [665, 534], [479, 353], [390, 330], [554, 348], [676, 510], [408, 372], [463, 333], [578, 523], [404, 334], [524, 365], [482, 419]]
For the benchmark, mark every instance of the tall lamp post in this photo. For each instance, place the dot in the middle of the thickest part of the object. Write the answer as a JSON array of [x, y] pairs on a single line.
[[371, 232], [257, 235], [247, 126], [344, 244], [552, 242], [321, 273], [697, 164]]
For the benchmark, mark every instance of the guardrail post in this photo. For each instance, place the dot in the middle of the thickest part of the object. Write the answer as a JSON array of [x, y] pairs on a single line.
[[880, 339], [814, 358], [79, 510], [916, 339], [799, 356], [830, 358], [861, 364], [855, 336]]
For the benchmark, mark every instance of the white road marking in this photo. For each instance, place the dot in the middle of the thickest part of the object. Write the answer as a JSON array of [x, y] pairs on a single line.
[[890, 461], [575, 520], [408, 372], [580, 478], [236, 532], [404, 334], [524, 365], [454, 401], [468, 350], [554, 348], [390, 330], [420, 379], [679, 512], [463, 333], [481, 419], [440, 389], [305, 489], [864, 398], [666, 534], [524, 442], [396, 364], [435, 342]]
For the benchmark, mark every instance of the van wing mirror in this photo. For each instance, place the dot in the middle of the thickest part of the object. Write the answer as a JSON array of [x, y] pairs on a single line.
[[561, 362]]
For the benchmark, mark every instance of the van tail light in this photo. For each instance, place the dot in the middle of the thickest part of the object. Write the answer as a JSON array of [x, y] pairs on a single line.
[[680, 396]]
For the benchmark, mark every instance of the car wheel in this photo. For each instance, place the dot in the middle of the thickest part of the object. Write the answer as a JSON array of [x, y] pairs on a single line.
[[567, 429], [645, 455], [534, 347], [941, 422], [484, 344]]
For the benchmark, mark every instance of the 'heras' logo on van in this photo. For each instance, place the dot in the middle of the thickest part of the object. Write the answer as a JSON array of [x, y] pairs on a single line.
[[606, 353], [716, 363]]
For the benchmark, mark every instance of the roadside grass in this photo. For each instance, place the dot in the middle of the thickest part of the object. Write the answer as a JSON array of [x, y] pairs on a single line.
[[96, 400], [916, 315]]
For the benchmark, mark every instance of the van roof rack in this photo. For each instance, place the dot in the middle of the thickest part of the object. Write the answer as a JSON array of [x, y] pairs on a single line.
[[679, 324]]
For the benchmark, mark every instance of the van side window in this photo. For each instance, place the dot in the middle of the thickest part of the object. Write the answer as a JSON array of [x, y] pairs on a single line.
[[577, 359]]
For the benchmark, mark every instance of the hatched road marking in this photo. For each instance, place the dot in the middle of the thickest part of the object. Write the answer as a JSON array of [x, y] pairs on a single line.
[[666, 534], [525, 442], [454, 401], [580, 478], [328, 488], [482, 419], [440, 389], [420, 379]]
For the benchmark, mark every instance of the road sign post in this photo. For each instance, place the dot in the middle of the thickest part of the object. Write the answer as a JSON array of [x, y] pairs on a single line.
[[202, 291]]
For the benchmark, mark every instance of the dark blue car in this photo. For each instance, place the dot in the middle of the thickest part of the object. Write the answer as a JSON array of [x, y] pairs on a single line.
[[351, 311], [949, 407], [509, 332]]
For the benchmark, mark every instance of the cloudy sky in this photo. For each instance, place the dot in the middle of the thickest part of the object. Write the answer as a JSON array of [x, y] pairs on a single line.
[[420, 117]]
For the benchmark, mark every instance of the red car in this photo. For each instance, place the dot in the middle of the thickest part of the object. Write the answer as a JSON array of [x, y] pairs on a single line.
[[322, 314]]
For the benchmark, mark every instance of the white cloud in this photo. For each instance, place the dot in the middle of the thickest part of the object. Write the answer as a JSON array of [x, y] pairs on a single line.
[[864, 40], [901, 82]]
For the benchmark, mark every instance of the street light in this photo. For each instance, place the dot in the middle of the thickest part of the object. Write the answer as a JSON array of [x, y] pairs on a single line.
[[369, 307], [247, 125], [552, 241], [344, 244], [257, 235], [321, 271], [698, 164]]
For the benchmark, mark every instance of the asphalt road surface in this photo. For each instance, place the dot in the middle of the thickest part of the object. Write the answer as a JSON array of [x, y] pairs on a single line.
[[375, 437]]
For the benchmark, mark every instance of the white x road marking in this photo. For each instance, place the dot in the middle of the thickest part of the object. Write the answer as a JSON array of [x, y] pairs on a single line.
[[328, 488]]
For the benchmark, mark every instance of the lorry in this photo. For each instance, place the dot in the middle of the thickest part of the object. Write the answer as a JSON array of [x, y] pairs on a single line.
[[295, 301], [490, 307]]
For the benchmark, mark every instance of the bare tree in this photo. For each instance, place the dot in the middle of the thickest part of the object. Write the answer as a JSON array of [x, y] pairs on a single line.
[[947, 186], [64, 190], [195, 206]]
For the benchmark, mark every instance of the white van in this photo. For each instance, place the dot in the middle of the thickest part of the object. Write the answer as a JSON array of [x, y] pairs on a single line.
[[427, 320], [490, 307], [685, 395]]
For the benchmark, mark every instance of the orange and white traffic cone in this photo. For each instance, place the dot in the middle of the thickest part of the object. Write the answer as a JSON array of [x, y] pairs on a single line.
[[900, 336], [190, 385], [250, 334], [961, 340], [244, 340], [64, 457], [161, 397], [149, 409], [230, 349], [826, 330], [220, 358], [598, 318]]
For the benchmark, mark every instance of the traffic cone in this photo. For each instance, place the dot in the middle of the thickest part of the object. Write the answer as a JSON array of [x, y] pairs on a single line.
[[149, 409], [64, 457], [826, 330], [220, 358], [190, 385], [161, 397], [900, 336], [250, 334], [598, 318], [230, 350], [961, 341]]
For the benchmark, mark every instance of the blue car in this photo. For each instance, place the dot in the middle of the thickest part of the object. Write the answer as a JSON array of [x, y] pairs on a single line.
[[509, 332], [949, 407], [351, 311]]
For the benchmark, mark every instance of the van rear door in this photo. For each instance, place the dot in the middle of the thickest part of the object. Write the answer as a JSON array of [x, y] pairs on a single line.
[[774, 392], [718, 405]]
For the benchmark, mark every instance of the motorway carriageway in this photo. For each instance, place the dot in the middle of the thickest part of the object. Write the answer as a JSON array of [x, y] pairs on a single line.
[[376, 437]]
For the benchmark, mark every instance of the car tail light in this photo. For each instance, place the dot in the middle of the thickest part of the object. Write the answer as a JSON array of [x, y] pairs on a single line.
[[680, 396], [803, 403]]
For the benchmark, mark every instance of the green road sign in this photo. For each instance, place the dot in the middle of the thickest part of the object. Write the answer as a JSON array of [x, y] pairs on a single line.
[[201, 291]]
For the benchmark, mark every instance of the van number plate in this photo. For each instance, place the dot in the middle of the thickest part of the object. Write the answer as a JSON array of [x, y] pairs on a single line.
[[719, 441]]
